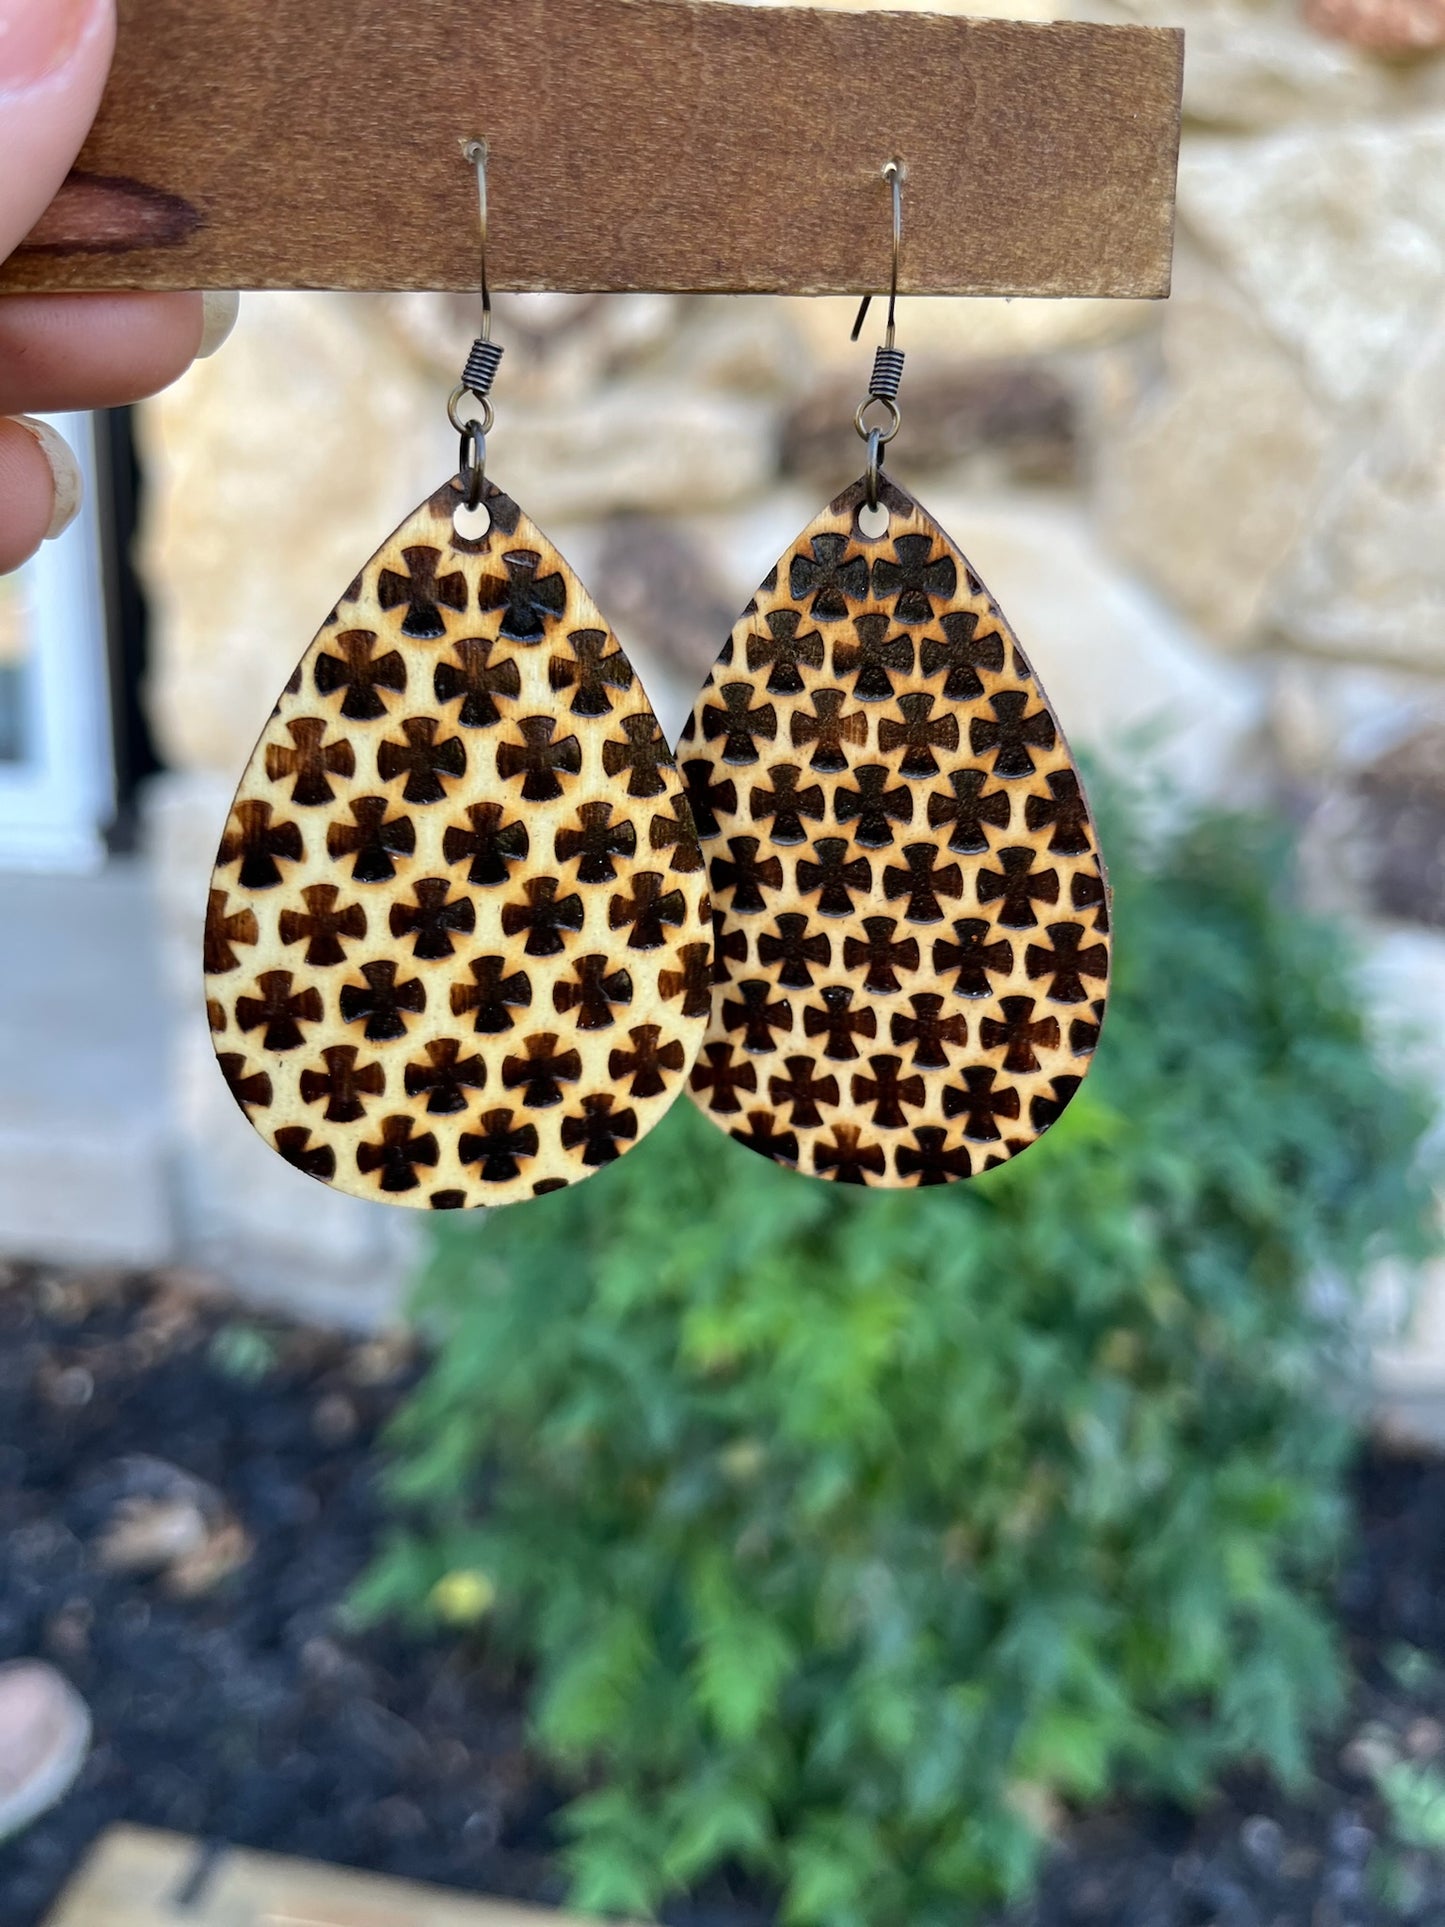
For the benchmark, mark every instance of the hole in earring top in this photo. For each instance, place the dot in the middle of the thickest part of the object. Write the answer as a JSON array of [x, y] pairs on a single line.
[[872, 522], [471, 524]]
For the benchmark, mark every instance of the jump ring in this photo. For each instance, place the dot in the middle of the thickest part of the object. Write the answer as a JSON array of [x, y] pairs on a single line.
[[895, 419], [461, 423], [876, 439], [472, 467]]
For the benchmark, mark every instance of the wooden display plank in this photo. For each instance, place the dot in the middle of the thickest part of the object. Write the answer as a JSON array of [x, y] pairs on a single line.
[[652, 144], [134, 1877]]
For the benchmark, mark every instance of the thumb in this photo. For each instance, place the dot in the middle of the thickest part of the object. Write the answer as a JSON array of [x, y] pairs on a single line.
[[54, 58]]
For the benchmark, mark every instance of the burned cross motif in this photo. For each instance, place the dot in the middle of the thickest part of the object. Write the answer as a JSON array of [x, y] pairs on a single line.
[[1012, 733], [424, 591], [595, 843], [1084, 1036], [400, 1150], [1068, 963], [1087, 892], [882, 956], [1017, 886], [344, 1084], [929, 1031], [591, 670], [491, 845], [760, 1136], [541, 1070], [544, 916], [834, 877], [887, 1092], [848, 1160], [1020, 1034], [739, 723], [742, 878], [381, 1003], [492, 994], [445, 1077], [832, 577], [785, 804], [476, 681], [729, 947], [644, 755], [1048, 1107], [259, 845], [647, 1061], [318, 1161], [872, 806], [678, 834], [979, 1104], [224, 929], [803, 1091], [646, 910], [706, 798], [828, 729], [963, 652], [432, 921], [311, 760], [922, 882], [716, 1073], [784, 648], [373, 839], [600, 1129], [976, 955], [930, 1162], [422, 760], [756, 1016], [537, 759], [794, 950], [322, 925], [693, 983], [1064, 807], [839, 1022], [362, 674], [251, 1089], [282, 1010], [915, 579], [872, 656], [968, 810], [593, 992], [918, 735], [528, 601], [499, 1146]]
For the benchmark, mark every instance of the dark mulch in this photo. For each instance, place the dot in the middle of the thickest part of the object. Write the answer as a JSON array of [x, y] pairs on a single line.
[[248, 1713]]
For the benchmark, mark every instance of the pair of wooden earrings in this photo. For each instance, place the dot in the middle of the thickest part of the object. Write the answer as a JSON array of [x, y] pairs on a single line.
[[471, 929]]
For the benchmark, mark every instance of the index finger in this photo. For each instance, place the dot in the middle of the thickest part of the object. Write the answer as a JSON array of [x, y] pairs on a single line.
[[54, 58]]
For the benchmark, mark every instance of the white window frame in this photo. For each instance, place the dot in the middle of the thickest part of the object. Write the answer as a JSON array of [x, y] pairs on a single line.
[[56, 803]]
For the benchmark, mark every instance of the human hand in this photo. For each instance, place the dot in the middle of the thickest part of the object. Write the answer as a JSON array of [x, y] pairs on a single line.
[[68, 351]]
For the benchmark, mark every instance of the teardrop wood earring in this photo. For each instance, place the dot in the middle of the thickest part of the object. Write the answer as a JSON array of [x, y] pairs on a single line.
[[911, 912], [457, 946]]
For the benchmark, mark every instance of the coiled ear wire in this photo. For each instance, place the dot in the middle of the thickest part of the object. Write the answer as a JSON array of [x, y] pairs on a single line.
[[887, 360], [482, 361]]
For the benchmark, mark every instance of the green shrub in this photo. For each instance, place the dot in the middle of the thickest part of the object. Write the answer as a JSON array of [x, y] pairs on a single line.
[[848, 1534]]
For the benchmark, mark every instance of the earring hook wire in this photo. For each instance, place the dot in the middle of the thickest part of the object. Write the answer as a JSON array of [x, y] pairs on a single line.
[[475, 153], [893, 174]]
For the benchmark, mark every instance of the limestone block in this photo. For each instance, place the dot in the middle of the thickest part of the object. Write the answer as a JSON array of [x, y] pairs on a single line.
[[1336, 236], [1330, 721], [1206, 478], [1369, 579], [273, 472]]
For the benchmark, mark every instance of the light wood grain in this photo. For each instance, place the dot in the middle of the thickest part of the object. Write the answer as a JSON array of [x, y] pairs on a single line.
[[457, 946], [912, 918], [135, 1877], [656, 144]]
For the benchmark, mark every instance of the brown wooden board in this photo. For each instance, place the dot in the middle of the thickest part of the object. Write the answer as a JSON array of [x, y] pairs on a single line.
[[135, 1877], [656, 144]]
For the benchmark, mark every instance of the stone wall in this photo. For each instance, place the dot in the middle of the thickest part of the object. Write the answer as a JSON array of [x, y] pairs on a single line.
[[1228, 512]]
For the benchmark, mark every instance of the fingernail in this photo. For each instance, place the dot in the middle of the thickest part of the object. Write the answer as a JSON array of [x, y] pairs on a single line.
[[218, 318], [64, 473], [37, 36]]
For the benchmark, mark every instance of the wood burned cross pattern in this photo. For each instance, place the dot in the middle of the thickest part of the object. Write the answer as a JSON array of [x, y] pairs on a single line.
[[457, 943], [911, 913]]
